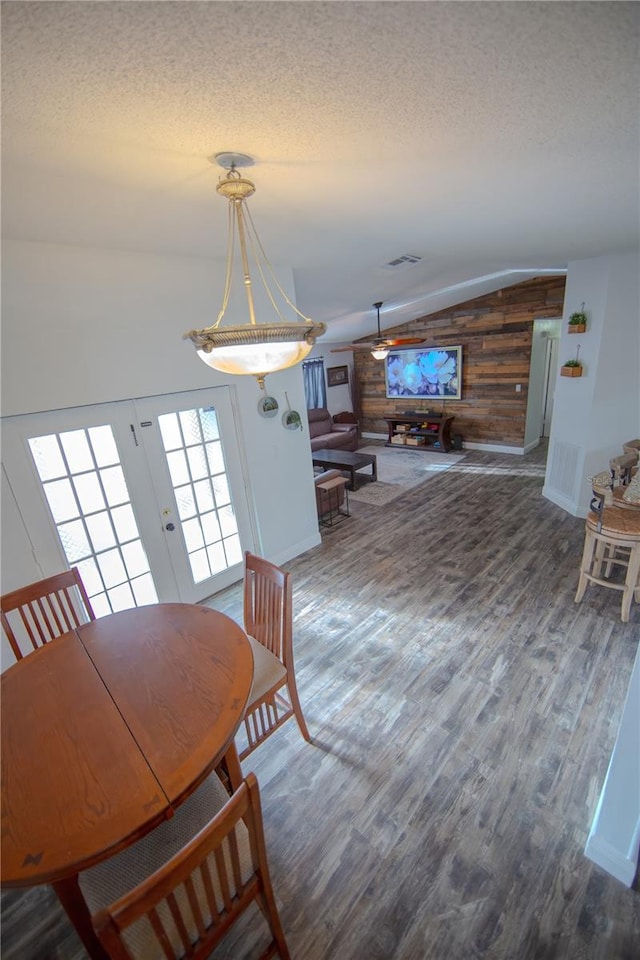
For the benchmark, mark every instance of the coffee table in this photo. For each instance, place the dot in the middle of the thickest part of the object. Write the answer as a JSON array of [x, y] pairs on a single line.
[[349, 462]]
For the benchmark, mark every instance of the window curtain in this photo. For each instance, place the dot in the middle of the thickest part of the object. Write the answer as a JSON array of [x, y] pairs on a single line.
[[314, 383]]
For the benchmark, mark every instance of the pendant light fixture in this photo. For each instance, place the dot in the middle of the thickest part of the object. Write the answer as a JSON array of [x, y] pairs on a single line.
[[253, 348], [379, 352]]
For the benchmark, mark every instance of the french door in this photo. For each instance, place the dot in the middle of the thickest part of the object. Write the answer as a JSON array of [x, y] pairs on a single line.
[[146, 497]]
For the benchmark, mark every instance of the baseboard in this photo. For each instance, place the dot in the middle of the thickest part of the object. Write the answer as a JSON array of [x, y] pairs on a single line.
[[486, 447], [296, 549], [567, 505], [494, 448], [600, 851], [528, 447]]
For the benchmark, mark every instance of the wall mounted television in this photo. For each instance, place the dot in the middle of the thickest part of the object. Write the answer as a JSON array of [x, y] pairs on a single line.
[[426, 373]]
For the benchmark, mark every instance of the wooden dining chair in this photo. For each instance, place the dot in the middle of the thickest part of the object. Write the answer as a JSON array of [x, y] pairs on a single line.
[[41, 611], [268, 622], [177, 891]]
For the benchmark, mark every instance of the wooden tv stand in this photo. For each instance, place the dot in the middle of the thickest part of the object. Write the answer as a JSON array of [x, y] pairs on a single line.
[[429, 430]]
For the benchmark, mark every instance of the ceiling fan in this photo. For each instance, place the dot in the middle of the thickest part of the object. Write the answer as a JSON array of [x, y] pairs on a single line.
[[379, 346]]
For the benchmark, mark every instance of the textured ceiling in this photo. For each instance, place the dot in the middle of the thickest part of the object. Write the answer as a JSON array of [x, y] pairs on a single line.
[[483, 137]]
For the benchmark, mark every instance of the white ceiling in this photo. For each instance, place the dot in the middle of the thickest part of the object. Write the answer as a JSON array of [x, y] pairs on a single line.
[[484, 137]]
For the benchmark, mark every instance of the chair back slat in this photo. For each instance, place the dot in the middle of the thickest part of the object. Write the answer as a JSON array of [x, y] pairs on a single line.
[[160, 934], [223, 880], [268, 605], [194, 905], [35, 614], [207, 883], [178, 918]]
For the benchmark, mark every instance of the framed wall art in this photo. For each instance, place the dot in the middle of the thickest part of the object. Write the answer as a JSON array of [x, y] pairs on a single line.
[[424, 374], [337, 375]]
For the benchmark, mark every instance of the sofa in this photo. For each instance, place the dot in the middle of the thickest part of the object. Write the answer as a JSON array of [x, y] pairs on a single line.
[[325, 433]]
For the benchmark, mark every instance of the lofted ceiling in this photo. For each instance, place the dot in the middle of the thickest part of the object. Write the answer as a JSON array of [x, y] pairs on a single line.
[[493, 140]]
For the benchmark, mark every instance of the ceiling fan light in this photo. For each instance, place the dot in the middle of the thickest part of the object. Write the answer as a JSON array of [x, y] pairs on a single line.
[[379, 353]]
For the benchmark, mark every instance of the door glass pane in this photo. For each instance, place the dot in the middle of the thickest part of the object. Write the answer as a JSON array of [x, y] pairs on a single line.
[[217, 557], [204, 495], [121, 597], [227, 520], [62, 502], [209, 421], [193, 535], [48, 457], [211, 527], [89, 492], [198, 474], [91, 577], [90, 504], [190, 424], [114, 485], [135, 559], [221, 488], [124, 523], [74, 540], [233, 550], [76, 451], [186, 502], [112, 568], [100, 531], [104, 446], [144, 590], [170, 430], [198, 463], [215, 458], [200, 567], [178, 467]]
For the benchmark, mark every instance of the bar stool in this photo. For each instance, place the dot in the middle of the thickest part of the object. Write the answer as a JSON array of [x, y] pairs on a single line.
[[605, 534]]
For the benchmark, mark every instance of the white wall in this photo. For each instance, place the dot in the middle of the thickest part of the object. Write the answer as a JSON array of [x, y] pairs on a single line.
[[594, 414], [84, 325], [340, 397]]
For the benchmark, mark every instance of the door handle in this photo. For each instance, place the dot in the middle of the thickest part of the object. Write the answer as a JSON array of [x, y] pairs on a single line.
[[170, 526]]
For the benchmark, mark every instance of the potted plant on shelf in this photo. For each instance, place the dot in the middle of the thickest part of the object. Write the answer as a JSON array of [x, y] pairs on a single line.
[[578, 321], [572, 368]]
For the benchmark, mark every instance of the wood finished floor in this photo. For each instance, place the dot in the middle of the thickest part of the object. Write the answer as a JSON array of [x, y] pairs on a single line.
[[463, 710]]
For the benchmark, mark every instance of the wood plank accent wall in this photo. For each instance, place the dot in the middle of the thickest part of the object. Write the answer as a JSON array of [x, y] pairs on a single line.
[[495, 332]]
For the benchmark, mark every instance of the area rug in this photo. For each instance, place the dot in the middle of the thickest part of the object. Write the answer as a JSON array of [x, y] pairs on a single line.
[[399, 470]]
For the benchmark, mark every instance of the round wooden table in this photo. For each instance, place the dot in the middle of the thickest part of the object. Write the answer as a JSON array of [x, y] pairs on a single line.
[[106, 730]]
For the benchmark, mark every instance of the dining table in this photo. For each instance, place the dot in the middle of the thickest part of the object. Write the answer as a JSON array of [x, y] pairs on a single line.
[[106, 730]]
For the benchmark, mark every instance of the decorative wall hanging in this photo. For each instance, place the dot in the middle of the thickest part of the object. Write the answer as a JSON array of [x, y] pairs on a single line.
[[578, 321], [337, 376], [572, 368], [268, 406], [291, 419]]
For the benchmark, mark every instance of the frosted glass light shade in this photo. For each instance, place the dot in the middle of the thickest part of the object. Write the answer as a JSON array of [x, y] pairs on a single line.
[[256, 359], [379, 354]]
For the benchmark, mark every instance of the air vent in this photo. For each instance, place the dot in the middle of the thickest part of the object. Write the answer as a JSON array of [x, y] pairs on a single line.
[[400, 263]]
